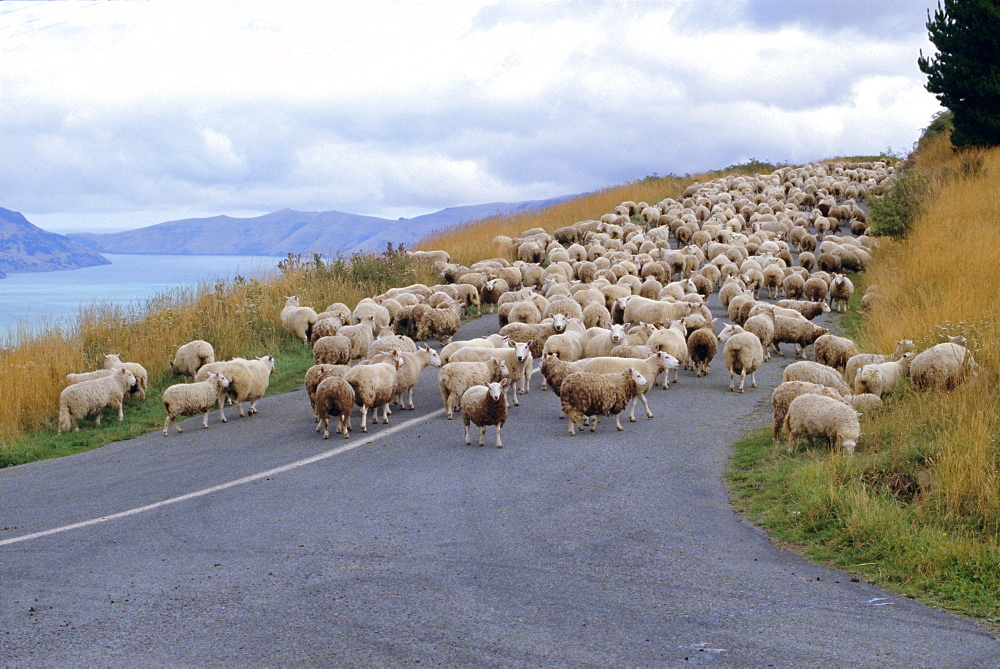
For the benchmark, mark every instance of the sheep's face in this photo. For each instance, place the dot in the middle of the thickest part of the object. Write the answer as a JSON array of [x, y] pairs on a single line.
[[559, 322], [496, 390], [668, 361], [222, 381], [617, 334], [639, 379], [434, 356], [521, 351], [727, 332], [292, 301]]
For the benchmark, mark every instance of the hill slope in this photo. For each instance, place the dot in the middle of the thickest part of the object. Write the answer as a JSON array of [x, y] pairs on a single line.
[[24, 247], [290, 231]]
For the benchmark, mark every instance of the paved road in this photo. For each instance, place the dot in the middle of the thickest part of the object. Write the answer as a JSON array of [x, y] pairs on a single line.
[[258, 543]]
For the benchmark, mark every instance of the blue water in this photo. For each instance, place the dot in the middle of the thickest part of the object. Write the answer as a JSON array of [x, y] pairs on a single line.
[[39, 299]]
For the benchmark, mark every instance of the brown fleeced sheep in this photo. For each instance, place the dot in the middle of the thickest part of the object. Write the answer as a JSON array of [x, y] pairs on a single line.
[[584, 394], [485, 405], [454, 378], [332, 350], [834, 351], [943, 366], [334, 397]]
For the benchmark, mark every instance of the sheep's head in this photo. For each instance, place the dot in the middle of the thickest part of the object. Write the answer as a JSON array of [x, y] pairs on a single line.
[[522, 350], [638, 378], [559, 322], [268, 361], [224, 382], [729, 331], [617, 334], [433, 356], [667, 361], [495, 389], [292, 301]]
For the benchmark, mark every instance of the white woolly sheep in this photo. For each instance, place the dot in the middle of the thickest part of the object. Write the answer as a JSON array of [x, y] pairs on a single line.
[[673, 340], [943, 366], [325, 326], [113, 361], [387, 341], [518, 360], [586, 394], [762, 325], [369, 307], [642, 310], [856, 362], [374, 386], [834, 351], [361, 335], [441, 323], [841, 289], [880, 378], [332, 350], [807, 308], [454, 378], [788, 391], [811, 416], [797, 331], [248, 380], [807, 370], [191, 356], [414, 362], [87, 376], [298, 319], [485, 405], [742, 354], [93, 397], [536, 333], [188, 399], [492, 341], [334, 397]]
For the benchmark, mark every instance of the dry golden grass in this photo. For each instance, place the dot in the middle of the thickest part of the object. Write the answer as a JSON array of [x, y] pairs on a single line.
[[939, 282]]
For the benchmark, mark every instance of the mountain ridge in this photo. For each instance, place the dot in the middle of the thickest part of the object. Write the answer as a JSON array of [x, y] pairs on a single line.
[[290, 231], [25, 247]]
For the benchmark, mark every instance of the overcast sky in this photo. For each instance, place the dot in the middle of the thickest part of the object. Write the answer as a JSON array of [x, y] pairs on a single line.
[[118, 115]]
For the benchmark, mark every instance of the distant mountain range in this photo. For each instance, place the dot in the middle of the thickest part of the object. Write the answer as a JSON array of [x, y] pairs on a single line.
[[24, 247], [290, 231]]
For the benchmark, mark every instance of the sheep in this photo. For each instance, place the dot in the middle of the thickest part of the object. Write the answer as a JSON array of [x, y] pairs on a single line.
[[856, 362], [742, 354], [796, 331], [673, 340], [816, 289], [517, 359], [596, 315], [536, 333], [841, 289], [248, 380], [332, 350], [834, 351], [334, 397], [793, 286], [325, 326], [93, 397], [441, 323], [113, 361], [880, 378], [87, 376], [788, 391], [298, 319], [454, 378], [866, 403], [567, 345], [187, 399], [317, 373], [491, 292], [810, 416], [650, 368], [374, 386], [598, 342], [191, 356], [361, 335], [762, 325], [807, 370], [640, 309], [492, 341], [943, 367], [587, 394], [702, 347], [808, 308], [369, 307], [387, 341], [409, 372], [485, 405]]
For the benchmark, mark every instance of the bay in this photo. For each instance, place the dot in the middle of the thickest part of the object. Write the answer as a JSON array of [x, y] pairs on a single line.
[[31, 300]]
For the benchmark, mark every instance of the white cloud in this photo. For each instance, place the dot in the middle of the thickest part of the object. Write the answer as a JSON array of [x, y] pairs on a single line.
[[122, 109]]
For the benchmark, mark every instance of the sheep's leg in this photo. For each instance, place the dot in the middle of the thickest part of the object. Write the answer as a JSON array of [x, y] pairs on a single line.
[[204, 420], [449, 408], [385, 413], [513, 388], [364, 418], [753, 379], [343, 423], [326, 427], [121, 413], [618, 422], [642, 396], [499, 443], [743, 378], [409, 398], [222, 414], [593, 422], [482, 435], [166, 424], [467, 440], [631, 413], [572, 425], [731, 380]]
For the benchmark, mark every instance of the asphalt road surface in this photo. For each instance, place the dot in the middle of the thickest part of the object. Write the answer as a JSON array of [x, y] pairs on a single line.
[[259, 543]]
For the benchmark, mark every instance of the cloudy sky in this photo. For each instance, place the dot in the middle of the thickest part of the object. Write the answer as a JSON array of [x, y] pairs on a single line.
[[117, 115]]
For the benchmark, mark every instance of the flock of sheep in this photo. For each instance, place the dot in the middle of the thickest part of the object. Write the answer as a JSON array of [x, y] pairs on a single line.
[[609, 308]]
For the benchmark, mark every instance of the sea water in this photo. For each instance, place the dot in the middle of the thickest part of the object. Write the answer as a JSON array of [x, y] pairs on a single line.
[[39, 299]]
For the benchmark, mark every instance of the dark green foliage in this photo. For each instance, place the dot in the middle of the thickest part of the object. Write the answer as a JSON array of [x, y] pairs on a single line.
[[965, 73], [892, 214]]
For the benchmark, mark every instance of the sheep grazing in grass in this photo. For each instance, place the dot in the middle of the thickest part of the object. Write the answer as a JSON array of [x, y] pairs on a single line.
[[93, 397], [742, 354], [374, 386], [834, 351], [334, 397], [788, 391], [944, 366], [191, 357], [807, 370], [812, 416], [455, 378], [298, 319], [188, 399], [585, 394], [879, 379], [485, 405], [113, 361], [332, 350]]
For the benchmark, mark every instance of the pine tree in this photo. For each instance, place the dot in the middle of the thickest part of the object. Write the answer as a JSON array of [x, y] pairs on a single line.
[[965, 73]]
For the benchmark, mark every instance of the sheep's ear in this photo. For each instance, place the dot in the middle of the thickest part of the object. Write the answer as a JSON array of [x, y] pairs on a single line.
[[503, 383]]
